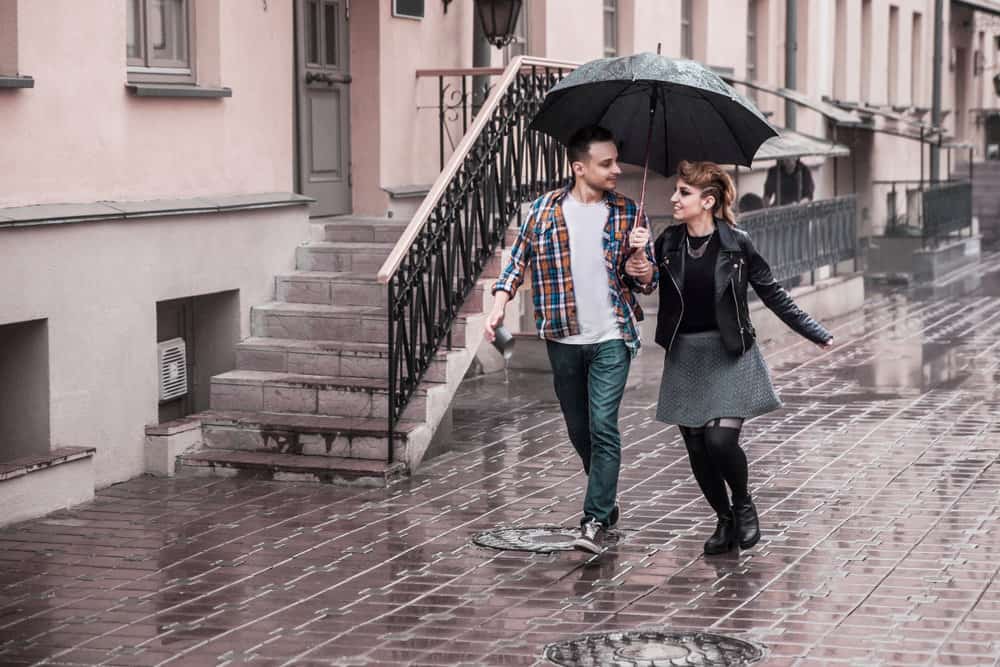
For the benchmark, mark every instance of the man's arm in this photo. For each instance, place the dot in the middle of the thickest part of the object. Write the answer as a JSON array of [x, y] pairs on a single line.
[[513, 274]]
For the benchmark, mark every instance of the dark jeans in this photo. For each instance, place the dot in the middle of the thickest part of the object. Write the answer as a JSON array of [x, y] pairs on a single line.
[[589, 381]]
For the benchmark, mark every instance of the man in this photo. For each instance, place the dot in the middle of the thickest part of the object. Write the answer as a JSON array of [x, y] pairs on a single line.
[[577, 241], [791, 183]]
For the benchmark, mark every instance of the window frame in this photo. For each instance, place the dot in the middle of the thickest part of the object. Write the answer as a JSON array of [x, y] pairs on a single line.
[[145, 69], [611, 47], [687, 29]]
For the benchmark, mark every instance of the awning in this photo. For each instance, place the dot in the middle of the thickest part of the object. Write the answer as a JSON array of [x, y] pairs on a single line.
[[792, 144], [988, 6], [893, 123], [834, 113]]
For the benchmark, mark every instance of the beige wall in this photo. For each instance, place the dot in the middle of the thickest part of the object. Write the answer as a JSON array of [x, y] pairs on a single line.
[[97, 284], [79, 135]]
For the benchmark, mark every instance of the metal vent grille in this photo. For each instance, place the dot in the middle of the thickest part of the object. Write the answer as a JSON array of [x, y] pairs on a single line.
[[172, 357]]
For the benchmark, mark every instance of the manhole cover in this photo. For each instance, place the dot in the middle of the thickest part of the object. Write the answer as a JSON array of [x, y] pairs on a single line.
[[650, 648], [540, 539]]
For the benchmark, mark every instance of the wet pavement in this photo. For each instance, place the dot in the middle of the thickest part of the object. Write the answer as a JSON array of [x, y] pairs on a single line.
[[876, 484]]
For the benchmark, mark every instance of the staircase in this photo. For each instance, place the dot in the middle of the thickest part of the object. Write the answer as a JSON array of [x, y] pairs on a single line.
[[309, 397], [352, 367]]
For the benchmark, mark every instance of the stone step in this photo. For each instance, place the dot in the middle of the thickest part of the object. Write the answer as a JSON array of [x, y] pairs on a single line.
[[309, 394], [346, 359], [291, 467], [359, 229], [335, 323], [329, 287], [349, 289], [302, 434], [341, 256]]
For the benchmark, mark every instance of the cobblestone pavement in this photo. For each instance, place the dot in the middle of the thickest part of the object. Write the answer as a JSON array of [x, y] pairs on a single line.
[[876, 484]]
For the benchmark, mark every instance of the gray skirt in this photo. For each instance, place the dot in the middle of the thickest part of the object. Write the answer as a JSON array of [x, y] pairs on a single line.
[[702, 381]]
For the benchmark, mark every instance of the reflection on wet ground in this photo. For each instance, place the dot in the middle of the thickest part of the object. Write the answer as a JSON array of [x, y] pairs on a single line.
[[876, 485]]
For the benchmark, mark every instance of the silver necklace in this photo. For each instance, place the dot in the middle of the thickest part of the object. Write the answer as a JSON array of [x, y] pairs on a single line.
[[697, 253]]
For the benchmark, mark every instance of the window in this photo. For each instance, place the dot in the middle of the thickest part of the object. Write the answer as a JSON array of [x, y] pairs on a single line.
[[752, 73], [866, 50], [159, 41], [840, 52], [893, 78], [687, 41], [916, 58], [8, 37], [610, 28]]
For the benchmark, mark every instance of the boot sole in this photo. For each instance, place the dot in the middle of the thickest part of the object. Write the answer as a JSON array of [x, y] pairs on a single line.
[[587, 546], [719, 552]]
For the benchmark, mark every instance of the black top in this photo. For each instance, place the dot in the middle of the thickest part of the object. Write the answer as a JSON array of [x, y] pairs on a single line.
[[699, 286]]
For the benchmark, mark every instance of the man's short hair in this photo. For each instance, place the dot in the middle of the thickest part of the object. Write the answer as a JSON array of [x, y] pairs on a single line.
[[578, 148]]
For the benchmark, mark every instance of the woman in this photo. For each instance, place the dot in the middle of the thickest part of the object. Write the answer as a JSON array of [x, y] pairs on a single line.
[[714, 377]]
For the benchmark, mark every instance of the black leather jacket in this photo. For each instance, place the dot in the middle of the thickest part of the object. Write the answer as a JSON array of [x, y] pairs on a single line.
[[738, 265]]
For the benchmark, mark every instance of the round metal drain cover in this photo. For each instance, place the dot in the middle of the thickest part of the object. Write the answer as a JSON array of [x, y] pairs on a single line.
[[650, 648], [540, 539]]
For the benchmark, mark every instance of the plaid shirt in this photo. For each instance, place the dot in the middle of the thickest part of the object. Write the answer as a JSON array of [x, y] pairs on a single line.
[[543, 240]]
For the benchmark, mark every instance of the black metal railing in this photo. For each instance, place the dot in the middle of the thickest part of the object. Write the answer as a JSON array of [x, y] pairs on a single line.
[[801, 238], [930, 210], [497, 166], [947, 209], [460, 93]]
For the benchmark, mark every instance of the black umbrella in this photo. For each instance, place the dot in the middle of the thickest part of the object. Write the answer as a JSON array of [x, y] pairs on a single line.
[[660, 110]]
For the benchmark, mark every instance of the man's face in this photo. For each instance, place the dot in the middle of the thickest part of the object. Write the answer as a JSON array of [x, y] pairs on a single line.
[[788, 164], [601, 169]]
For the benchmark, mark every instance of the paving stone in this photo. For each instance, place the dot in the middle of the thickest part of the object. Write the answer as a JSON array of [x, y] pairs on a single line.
[[875, 483]]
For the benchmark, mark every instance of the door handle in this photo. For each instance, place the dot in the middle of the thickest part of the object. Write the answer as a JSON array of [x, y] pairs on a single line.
[[316, 77], [323, 77]]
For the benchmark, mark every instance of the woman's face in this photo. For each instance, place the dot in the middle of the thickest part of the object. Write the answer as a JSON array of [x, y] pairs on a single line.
[[688, 201]]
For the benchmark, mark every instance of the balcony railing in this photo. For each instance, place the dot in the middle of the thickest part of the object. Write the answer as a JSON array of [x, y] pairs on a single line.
[[931, 210], [498, 165], [802, 238]]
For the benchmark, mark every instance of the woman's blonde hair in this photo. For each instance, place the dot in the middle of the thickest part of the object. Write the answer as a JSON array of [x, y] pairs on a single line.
[[711, 180]]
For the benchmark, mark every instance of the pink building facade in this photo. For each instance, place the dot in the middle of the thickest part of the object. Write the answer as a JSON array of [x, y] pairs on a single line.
[[163, 159]]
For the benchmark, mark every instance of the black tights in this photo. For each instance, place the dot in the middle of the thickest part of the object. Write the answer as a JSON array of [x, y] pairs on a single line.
[[716, 460]]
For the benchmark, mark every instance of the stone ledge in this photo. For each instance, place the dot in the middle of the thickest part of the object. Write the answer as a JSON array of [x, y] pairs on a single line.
[[54, 214], [173, 427], [12, 81], [29, 464]]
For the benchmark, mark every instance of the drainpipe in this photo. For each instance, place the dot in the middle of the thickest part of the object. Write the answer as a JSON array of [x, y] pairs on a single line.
[[936, 84], [791, 47]]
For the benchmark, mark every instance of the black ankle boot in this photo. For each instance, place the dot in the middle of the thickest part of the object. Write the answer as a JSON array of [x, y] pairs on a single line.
[[749, 526], [725, 536]]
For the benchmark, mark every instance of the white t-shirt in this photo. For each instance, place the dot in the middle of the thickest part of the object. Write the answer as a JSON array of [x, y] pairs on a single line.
[[594, 313]]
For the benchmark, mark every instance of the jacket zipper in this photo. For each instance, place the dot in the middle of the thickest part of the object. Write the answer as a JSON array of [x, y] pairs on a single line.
[[736, 304], [680, 296]]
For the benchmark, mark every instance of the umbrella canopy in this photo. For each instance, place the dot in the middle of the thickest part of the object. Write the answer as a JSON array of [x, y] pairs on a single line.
[[695, 115]]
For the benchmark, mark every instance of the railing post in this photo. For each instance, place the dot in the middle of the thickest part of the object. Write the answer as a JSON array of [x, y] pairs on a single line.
[[391, 357], [441, 121]]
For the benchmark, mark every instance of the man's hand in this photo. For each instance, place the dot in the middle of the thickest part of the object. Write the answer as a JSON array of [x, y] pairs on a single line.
[[495, 318], [639, 267]]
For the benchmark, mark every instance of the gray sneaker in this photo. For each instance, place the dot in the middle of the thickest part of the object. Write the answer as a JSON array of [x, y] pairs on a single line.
[[591, 537]]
